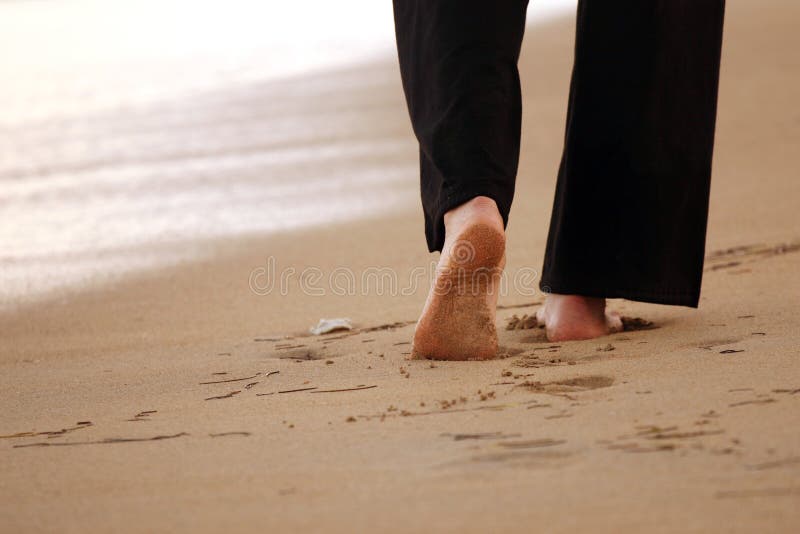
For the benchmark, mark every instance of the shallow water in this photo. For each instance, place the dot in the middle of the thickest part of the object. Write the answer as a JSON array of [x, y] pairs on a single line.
[[131, 132]]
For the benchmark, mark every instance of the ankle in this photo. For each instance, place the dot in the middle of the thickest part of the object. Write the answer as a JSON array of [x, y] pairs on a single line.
[[577, 309], [477, 208], [578, 302]]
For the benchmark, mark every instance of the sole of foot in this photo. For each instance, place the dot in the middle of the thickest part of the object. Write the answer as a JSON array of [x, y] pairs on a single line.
[[574, 317], [458, 320]]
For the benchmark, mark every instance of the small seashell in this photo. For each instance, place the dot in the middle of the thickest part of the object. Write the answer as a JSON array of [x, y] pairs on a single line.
[[325, 326]]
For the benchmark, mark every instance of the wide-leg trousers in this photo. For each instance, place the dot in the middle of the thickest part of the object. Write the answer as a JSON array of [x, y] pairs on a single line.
[[631, 202]]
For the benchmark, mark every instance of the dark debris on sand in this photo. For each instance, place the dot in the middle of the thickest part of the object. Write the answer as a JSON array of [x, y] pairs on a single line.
[[526, 322], [630, 324]]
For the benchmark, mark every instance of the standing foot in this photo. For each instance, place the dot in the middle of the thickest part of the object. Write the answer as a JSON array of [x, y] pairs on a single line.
[[573, 317], [458, 320]]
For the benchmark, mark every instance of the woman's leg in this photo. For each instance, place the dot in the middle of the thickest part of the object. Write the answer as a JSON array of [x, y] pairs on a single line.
[[458, 61], [629, 218]]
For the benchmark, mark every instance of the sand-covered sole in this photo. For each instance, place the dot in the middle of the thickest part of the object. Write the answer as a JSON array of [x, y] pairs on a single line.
[[458, 320]]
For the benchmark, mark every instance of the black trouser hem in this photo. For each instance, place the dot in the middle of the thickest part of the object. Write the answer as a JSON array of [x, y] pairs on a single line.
[[434, 222], [654, 296]]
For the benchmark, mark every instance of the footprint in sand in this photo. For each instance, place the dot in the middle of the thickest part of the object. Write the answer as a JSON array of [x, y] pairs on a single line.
[[709, 344], [570, 385], [736, 256], [302, 354], [530, 459]]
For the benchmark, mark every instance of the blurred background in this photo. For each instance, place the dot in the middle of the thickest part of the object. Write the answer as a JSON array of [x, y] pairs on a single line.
[[132, 133]]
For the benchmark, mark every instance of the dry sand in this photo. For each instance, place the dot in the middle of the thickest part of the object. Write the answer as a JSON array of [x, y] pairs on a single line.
[[688, 427]]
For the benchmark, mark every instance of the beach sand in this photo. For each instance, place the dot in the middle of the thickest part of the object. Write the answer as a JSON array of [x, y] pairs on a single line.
[[178, 399]]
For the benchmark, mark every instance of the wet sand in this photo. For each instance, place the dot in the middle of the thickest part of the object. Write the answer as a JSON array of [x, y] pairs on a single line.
[[179, 399]]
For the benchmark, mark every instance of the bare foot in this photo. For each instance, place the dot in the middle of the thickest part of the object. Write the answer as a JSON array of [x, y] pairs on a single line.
[[457, 322], [572, 317]]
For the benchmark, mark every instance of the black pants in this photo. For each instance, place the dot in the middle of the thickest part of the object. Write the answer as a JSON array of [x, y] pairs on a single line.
[[631, 203]]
